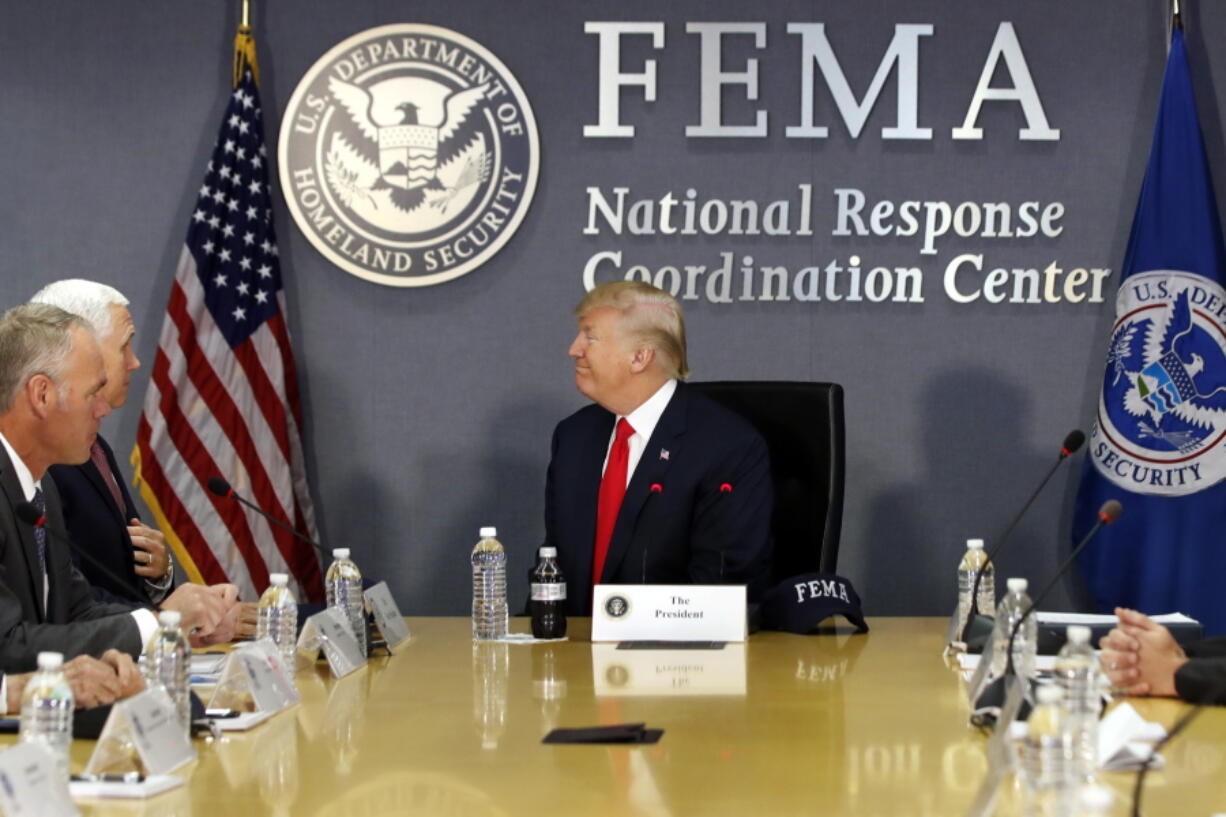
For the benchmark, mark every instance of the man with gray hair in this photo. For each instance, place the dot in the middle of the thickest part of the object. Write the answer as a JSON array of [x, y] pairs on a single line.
[[52, 401], [655, 483], [129, 560], [98, 508]]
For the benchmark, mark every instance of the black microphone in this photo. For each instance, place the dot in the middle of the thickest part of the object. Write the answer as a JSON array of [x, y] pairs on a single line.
[[1072, 442], [32, 516], [222, 488], [1108, 513], [656, 488]]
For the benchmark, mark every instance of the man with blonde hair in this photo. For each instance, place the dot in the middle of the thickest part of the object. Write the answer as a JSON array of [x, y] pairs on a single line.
[[654, 483]]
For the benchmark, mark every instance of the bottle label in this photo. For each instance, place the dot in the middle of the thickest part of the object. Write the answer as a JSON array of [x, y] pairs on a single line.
[[553, 591]]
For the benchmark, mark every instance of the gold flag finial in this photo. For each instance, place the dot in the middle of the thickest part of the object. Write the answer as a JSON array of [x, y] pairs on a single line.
[[244, 49]]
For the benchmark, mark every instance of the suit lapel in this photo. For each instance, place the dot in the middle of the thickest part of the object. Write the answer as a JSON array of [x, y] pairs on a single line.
[[25, 534], [658, 454]]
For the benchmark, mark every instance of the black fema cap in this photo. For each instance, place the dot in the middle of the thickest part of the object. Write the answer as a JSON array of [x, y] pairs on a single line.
[[799, 604]]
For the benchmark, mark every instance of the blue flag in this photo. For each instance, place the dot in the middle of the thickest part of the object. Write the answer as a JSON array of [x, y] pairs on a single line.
[[1159, 440]]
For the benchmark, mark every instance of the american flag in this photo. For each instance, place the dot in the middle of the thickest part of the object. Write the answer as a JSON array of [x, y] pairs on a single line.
[[223, 395]]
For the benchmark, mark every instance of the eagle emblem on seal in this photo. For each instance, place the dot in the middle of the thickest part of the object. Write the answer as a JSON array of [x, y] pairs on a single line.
[[403, 159]]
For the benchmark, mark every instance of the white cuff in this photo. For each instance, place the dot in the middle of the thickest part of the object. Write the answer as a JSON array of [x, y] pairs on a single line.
[[148, 624]]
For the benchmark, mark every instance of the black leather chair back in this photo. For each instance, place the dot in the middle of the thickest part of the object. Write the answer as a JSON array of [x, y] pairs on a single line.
[[802, 424]]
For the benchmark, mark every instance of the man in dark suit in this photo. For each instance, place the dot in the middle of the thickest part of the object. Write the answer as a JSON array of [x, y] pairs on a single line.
[[98, 508], [1141, 657], [52, 379], [654, 483]]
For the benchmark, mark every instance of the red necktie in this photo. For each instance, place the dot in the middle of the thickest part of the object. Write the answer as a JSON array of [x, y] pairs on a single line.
[[612, 491]]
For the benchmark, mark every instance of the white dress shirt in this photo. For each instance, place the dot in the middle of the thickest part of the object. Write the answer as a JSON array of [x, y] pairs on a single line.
[[643, 420], [146, 621]]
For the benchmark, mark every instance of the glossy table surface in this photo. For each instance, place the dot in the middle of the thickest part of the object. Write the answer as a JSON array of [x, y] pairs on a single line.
[[830, 724]]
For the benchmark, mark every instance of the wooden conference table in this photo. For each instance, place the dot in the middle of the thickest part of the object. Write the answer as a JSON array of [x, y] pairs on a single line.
[[833, 724]]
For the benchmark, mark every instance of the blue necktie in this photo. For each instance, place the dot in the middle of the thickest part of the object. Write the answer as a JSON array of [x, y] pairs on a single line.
[[40, 532]]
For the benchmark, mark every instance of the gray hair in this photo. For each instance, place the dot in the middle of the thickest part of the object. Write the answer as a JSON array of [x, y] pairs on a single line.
[[86, 299], [34, 339], [650, 316]]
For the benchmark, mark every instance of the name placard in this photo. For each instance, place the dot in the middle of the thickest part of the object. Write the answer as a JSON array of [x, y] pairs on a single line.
[[149, 723], [331, 630], [33, 783], [387, 616], [668, 612]]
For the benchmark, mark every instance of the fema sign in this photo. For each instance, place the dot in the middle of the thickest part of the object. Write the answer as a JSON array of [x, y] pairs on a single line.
[[1162, 414], [409, 155]]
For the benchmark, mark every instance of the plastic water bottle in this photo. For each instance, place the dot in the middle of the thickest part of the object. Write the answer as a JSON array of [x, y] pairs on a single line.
[[489, 587], [1008, 613], [548, 600], [1077, 674], [167, 663], [278, 617], [345, 593], [972, 561], [46, 709], [1046, 755]]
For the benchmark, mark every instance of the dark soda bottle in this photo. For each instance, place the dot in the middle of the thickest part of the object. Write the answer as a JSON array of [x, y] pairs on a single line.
[[547, 603]]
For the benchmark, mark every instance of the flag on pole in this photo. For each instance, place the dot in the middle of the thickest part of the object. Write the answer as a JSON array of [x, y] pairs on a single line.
[[1159, 442], [223, 396]]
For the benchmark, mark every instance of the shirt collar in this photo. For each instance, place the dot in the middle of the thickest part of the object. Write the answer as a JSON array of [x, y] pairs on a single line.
[[646, 417], [28, 483]]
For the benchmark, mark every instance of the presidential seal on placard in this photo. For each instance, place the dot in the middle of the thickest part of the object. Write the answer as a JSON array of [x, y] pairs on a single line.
[[1162, 413], [409, 155]]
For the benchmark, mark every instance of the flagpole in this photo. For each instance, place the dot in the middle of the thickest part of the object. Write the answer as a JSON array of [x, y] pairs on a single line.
[[247, 13], [1176, 15]]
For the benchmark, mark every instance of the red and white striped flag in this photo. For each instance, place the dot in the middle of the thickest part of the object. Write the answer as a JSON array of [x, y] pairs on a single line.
[[223, 397]]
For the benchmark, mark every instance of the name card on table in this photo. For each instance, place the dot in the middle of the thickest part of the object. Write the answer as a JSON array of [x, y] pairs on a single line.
[[33, 784], [387, 616], [668, 612], [330, 631], [662, 672], [254, 677], [142, 734]]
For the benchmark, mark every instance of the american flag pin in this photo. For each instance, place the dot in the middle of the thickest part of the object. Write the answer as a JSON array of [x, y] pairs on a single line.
[[664, 454]]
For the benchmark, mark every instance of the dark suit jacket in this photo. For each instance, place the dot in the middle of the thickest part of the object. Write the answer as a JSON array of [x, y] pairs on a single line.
[[95, 522], [689, 532], [1203, 679], [74, 623]]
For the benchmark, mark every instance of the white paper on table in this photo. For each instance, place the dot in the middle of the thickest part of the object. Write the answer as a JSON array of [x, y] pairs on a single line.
[[109, 790], [1095, 618], [969, 663], [1125, 740]]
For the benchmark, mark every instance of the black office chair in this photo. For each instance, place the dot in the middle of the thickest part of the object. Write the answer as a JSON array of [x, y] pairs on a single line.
[[802, 424]]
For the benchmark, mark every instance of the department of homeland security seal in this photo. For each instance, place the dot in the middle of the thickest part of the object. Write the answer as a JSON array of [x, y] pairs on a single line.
[[1162, 413], [409, 155]]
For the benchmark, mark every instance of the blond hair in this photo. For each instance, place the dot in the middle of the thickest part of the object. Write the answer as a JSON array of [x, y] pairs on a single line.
[[650, 317]]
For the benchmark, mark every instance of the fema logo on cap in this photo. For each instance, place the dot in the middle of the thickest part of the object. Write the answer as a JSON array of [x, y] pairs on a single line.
[[1162, 413], [409, 155]]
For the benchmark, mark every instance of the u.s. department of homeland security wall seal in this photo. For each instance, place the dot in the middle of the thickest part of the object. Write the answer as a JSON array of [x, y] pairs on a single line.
[[1162, 413], [409, 155]]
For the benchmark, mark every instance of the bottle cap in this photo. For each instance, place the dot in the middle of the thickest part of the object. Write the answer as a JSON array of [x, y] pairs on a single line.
[[549, 553], [1078, 634], [1017, 585], [169, 618], [974, 544], [340, 553], [488, 532], [1049, 694], [50, 660], [278, 579]]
